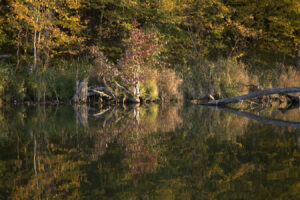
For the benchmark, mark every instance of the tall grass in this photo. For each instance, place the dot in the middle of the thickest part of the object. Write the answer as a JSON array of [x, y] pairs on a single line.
[[161, 84], [228, 77], [224, 78], [289, 77], [169, 85], [279, 77]]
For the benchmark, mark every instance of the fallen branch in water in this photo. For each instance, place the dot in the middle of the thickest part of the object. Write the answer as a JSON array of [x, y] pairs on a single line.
[[253, 95]]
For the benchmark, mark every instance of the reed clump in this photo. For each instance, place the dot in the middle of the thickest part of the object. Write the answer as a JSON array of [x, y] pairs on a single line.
[[169, 85], [290, 77], [222, 78]]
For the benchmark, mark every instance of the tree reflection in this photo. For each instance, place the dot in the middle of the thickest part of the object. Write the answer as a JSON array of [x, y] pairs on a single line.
[[147, 152]]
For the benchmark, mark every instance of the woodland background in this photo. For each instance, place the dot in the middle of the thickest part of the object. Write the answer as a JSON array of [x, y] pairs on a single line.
[[181, 48]]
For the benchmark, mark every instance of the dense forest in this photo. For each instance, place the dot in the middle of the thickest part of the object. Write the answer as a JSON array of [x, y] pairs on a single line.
[[157, 50]]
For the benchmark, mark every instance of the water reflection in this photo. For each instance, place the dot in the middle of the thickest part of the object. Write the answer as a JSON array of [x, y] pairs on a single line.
[[149, 152], [261, 119]]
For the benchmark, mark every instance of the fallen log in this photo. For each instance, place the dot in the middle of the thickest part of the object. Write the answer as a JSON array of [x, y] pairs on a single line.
[[253, 95]]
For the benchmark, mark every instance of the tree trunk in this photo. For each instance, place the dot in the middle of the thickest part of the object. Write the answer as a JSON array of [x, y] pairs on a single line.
[[35, 48], [101, 23], [253, 95], [81, 92], [136, 92], [34, 51], [18, 51]]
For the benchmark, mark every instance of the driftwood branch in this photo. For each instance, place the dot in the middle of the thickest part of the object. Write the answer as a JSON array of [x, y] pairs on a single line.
[[101, 94], [113, 91], [264, 120], [253, 95], [121, 87], [97, 88]]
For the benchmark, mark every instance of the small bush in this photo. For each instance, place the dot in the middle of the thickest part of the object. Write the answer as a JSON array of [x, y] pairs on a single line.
[[148, 86], [153, 84], [149, 90]]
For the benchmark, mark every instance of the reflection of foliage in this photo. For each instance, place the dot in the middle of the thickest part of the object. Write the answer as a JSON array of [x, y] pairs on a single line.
[[58, 175], [214, 124], [167, 152], [164, 118], [141, 146]]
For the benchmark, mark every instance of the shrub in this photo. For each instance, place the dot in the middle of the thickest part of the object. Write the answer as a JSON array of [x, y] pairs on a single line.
[[149, 90], [148, 86], [137, 68], [11, 84]]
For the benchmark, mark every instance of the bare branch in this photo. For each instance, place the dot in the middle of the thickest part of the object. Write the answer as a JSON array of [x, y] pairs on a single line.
[[253, 95]]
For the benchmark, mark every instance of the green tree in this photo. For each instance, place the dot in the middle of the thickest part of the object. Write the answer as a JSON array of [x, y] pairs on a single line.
[[277, 24]]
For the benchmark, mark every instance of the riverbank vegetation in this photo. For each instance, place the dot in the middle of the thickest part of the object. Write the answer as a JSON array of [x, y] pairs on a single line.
[[146, 50]]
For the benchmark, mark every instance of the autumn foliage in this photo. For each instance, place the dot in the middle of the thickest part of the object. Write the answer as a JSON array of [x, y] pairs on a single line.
[[140, 66], [39, 35]]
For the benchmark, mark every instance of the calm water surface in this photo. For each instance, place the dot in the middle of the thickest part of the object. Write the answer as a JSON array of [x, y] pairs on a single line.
[[149, 152]]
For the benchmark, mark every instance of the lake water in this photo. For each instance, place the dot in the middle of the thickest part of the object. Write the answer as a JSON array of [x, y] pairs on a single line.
[[148, 152]]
